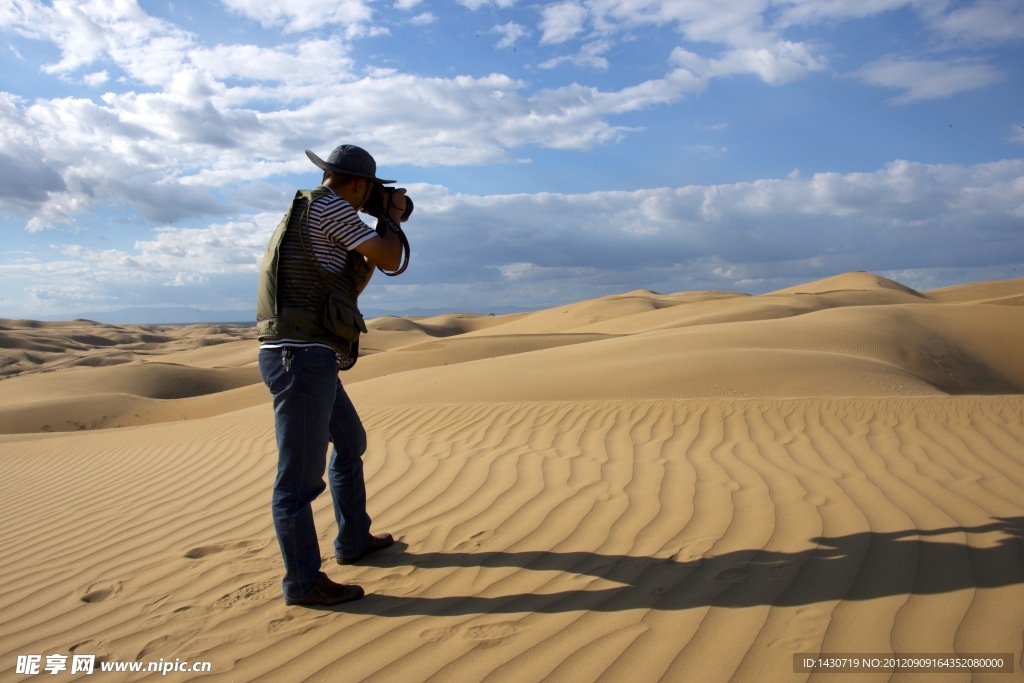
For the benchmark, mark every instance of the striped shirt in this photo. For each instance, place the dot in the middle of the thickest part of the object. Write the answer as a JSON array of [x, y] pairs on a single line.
[[335, 229]]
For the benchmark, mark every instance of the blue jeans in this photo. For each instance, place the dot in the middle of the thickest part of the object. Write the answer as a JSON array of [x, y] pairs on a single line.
[[311, 409]]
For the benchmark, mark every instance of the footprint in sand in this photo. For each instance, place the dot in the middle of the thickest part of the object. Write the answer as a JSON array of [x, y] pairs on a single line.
[[774, 571], [290, 626], [160, 611], [733, 575], [258, 564], [98, 648], [490, 635], [250, 592], [98, 592], [484, 635], [396, 584], [474, 542], [248, 548], [176, 616], [168, 643], [439, 634]]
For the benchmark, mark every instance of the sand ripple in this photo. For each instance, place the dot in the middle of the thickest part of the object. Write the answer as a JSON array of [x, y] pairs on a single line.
[[676, 539]]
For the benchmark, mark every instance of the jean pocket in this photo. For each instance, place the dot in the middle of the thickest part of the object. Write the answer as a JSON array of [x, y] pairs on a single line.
[[275, 364]]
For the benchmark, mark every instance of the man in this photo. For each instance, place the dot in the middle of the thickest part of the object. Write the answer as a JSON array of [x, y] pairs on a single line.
[[318, 261]]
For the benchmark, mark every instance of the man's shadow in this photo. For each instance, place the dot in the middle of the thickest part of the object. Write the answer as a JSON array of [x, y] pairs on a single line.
[[858, 566]]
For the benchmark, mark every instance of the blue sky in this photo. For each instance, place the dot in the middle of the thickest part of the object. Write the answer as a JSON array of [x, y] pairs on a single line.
[[556, 151]]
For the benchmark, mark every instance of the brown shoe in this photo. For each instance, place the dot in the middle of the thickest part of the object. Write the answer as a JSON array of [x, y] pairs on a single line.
[[376, 543], [326, 593]]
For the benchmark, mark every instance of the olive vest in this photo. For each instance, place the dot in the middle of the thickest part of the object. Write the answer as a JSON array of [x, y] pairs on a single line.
[[301, 300]]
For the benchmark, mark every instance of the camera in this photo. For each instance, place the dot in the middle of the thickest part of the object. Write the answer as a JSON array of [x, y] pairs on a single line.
[[380, 199]]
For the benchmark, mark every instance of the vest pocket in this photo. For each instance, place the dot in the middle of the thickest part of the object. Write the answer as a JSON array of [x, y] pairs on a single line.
[[341, 319]]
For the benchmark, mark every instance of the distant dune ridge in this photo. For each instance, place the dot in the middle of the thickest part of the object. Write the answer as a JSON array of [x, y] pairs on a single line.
[[691, 486]]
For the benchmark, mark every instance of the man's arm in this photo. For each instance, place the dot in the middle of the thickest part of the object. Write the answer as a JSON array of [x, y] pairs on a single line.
[[386, 251]]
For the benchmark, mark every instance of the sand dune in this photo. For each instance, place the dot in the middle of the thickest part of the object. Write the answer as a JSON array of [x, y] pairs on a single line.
[[31, 346], [856, 281], [646, 487]]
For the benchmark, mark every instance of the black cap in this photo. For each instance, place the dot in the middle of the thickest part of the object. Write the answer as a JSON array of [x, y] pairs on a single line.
[[350, 160]]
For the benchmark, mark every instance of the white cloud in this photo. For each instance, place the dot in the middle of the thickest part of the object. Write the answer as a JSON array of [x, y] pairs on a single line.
[[479, 4], [735, 23], [984, 21], [590, 55], [96, 78], [85, 31], [510, 33], [561, 22], [222, 248], [752, 34], [978, 21], [926, 80], [814, 11], [673, 86], [153, 52], [423, 19], [776, 64], [294, 16], [299, 63]]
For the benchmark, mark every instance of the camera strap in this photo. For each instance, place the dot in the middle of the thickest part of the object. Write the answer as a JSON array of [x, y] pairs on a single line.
[[383, 225]]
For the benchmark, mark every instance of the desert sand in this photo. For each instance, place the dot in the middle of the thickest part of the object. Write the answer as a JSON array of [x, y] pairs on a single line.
[[642, 487]]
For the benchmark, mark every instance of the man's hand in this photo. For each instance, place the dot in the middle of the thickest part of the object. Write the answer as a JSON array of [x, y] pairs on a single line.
[[386, 250], [397, 206]]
